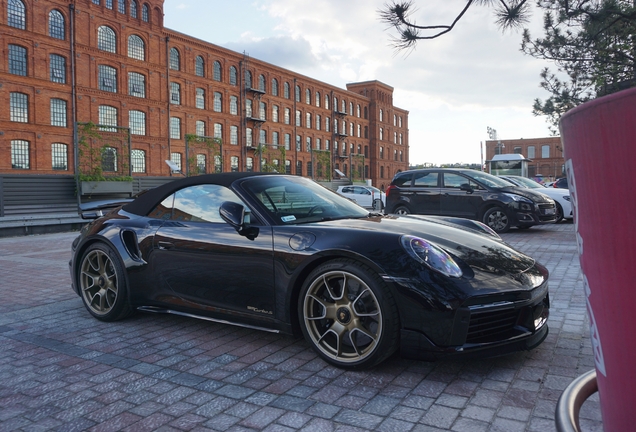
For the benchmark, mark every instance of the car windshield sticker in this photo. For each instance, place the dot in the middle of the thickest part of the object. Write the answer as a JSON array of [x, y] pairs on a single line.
[[288, 218]]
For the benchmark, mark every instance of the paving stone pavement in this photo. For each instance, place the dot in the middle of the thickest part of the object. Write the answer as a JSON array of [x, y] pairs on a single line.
[[62, 370]]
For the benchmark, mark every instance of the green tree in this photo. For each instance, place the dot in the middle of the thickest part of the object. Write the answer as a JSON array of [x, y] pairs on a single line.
[[591, 42]]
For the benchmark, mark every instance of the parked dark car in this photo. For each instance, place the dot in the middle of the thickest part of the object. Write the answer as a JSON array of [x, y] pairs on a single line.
[[469, 194], [281, 253]]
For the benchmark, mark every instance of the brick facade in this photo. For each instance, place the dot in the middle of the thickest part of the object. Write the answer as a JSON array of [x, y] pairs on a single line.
[[367, 122], [546, 154]]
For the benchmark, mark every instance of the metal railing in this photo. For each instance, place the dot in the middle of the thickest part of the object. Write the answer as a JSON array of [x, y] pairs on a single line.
[[571, 401]]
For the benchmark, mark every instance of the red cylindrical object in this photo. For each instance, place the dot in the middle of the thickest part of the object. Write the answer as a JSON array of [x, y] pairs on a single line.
[[599, 140]]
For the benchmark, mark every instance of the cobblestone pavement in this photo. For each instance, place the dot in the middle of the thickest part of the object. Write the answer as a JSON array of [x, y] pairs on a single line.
[[60, 369]]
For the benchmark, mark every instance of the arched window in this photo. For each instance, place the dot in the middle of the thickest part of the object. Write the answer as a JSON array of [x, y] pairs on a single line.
[[138, 161], [106, 40], [261, 83], [16, 15], [248, 79], [134, 8], [335, 103], [199, 66], [233, 75], [350, 108], [286, 90], [136, 47], [56, 25], [381, 115], [274, 87], [307, 96], [326, 101], [175, 61], [297, 94], [366, 113], [145, 13], [317, 98], [217, 71]]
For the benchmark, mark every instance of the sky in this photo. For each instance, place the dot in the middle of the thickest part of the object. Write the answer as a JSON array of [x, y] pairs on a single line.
[[454, 87]]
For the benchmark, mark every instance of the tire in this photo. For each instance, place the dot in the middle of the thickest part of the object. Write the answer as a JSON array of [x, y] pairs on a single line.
[[497, 219], [559, 211], [102, 283], [401, 210], [348, 315]]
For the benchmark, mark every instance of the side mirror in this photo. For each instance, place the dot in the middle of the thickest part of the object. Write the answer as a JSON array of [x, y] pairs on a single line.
[[466, 187], [234, 214]]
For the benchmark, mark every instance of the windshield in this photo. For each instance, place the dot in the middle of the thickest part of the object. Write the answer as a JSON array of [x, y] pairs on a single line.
[[528, 183], [488, 179], [296, 200]]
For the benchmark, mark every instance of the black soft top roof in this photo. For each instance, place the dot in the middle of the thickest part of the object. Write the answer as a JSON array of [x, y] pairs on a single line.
[[148, 200]]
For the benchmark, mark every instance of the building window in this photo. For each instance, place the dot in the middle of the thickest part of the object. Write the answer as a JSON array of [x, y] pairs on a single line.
[[248, 137], [516, 150], [274, 140], [137, 122], [298, 119], [59, 157], [218, 130], [199, 66], [106, 40], [201, 164], [531, 152], [308, 96], [381, 172], [19, 107], [107, 117], [545, 151], [275, 113], [109, 4], [57, 68], [327, 124], [274, 87], [286, 90], [175, 59], [298, 143], [136, 47], [326, 101], [234, 135], [307, 144], [287, 115], [318, 121], [175, 93], [308, 120], [343, 106], [358, 112], [395, 137], [233, 105], [121, 6], [136, 84], [381, 152], [107, 78], [134, 7], [234, 163], [262, 110], [218, 102], [16, 15], [401, 142], [381, 134], [175, 128], [218, 167], [58, 112], [56, 25], [145, 13], [109, 159], [350, 108], [317, 99], [299, 168], [217, 71], [262, 137], [176, 158], [261, 83], [233, 75], [381, 115], [200, 128], [248, 79], [138, 161], [287, 142], [297, 94], [248, 108], [200, 98], [20, 154], [17, 60]]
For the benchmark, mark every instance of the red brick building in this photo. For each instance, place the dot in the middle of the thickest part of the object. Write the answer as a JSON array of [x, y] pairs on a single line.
[[546, 154], [113, 63]]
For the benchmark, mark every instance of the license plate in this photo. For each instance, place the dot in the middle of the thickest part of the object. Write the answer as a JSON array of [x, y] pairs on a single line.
[[550, 211]]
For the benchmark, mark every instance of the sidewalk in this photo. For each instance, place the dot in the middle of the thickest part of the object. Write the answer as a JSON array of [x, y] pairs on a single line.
[[60, 369]]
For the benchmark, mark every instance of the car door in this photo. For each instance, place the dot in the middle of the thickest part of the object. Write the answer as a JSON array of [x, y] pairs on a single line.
[[425, 193], [363, 196], [460, 201], [206, 263]]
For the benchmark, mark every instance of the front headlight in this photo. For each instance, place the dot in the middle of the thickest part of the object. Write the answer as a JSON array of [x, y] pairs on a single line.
[[430, 255], [566, 197]]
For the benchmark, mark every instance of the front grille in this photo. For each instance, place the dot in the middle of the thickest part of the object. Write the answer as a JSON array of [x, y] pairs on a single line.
[[491, 325], [544, 207]]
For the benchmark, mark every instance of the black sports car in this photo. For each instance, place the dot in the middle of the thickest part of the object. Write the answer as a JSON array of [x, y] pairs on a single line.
[[282, 253]]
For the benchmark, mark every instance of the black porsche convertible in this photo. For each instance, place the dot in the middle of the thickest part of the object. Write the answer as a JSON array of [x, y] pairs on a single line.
[[282, 253]]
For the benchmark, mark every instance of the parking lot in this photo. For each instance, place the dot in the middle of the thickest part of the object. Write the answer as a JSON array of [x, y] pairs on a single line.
[[60, 369]]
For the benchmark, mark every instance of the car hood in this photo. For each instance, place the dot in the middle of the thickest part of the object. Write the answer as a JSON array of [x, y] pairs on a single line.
[[537, 197], [479, 251]]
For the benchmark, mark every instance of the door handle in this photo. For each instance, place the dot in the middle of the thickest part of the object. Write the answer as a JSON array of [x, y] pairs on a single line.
[[165, 245]]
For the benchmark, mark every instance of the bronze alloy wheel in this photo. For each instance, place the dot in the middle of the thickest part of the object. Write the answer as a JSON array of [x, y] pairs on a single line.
[[344, 320], [102, 284]]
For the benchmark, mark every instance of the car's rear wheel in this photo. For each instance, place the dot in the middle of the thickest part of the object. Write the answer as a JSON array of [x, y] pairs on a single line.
[[102, 283], [348, 315], [402, 210], [559, 212], [497, 219]]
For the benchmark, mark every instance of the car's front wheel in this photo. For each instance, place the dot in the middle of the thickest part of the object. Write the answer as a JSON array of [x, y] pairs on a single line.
[[559, 212], [497, 219], [402, 210], [102, 283], [348, 315]]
